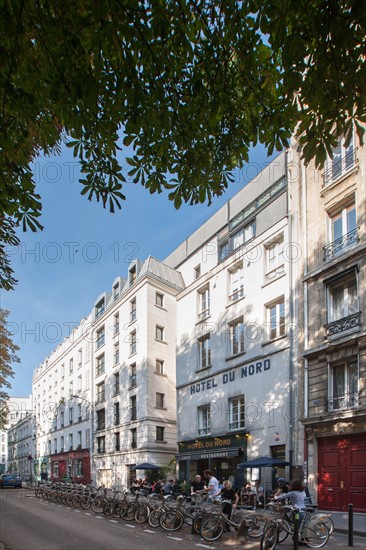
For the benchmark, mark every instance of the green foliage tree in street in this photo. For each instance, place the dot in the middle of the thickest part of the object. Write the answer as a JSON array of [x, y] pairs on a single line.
[[187, 85], [8, 356]]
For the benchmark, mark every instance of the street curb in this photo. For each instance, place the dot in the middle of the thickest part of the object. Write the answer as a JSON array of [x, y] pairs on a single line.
[[345, 532]]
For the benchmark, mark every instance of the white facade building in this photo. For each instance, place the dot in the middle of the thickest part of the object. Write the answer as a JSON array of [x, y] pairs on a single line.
[[17, 409], [236, 343], [104, 400], [21, 447], [62, 397]]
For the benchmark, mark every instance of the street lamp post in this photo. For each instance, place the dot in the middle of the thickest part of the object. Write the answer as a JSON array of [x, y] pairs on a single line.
[[91, 428]]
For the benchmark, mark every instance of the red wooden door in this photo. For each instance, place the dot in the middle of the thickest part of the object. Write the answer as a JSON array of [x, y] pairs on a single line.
[[342, 473]]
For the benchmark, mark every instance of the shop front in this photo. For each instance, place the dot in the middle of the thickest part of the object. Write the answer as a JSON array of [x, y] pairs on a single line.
[[71, 466], [220, 454]]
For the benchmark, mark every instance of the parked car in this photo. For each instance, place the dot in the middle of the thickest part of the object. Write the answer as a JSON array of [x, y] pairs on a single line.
[[10, 480]]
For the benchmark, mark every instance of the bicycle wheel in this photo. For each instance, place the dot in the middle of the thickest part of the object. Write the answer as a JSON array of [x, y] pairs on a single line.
[[283, 532], [256, 531], [315, 535], [97, 505], [197, 522], [85, 502], [154, 517], [212, 528], [142, 513], [269, 537], [171, 520], [327, 520], [128, 511]]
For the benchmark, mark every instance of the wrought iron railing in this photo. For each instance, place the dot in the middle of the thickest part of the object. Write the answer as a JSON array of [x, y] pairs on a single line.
[[339, 168], [341, 244], [346, 401], [340, 325]]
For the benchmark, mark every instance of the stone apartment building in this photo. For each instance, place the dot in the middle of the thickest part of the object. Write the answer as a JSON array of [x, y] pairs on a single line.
[[104, 400], [21, 447], [332, 310], [237, 367], [17, 409]]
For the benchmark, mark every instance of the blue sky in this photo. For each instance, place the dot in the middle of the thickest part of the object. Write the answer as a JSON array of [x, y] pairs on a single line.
[[63, 269]]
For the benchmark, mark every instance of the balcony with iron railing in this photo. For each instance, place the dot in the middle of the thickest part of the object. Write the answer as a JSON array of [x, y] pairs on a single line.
[[339, 168], [340, 245], [342, 325], [340, 406]]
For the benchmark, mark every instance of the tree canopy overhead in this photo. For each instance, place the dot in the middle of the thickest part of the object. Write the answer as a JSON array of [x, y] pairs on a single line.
[[188, 85]]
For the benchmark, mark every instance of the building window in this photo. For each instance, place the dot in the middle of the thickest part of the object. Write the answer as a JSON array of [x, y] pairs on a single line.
[[342, 231], [116, 325], [78, 467], [133, 342], [159, 366], [62, 419], [133, 375], [276, 319], [71, 442], [203, 303], [101, 419], [80, 442], [116, 414], [100, 337], [132, 275], [159, 299], [342, 304], [236, 413], [99, 309], [160, 400], [204, 351], [80, 384], [79, 413], [133, 434], [55, 446], [133, 407], [236, 336], [133, 310], [116, 384], [100, 394], [71, 366], [100, 367], [343, 386], [71, 388], [204, 419], [55, 469], [116, 354], [62, 443], [236, 283], [71, 415], [197, 272], [101, 444], [159, 433], [117, 445], [80, 358], [343, 159], [159, 333], [274, 261], [115, 291], [62, 372]]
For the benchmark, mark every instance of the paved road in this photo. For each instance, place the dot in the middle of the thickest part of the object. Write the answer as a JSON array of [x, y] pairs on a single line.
[[28, 523]]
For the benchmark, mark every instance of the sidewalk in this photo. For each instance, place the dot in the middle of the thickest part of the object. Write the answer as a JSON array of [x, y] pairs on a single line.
[[341, 522]]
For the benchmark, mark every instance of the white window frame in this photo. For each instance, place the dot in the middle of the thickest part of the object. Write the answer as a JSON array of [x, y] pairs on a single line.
[[236, 282], [133, 313], [160, 400], [350, 302], [204, 419], [204, 352], [237, 412], [203, 297], [159, 299], [237, 333], [274, 260], [276, 318], [100, 337], [159, 333], [342, 162], [349, 398]]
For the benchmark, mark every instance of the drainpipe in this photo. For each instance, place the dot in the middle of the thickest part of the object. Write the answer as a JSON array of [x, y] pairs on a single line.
[[291, 319]]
